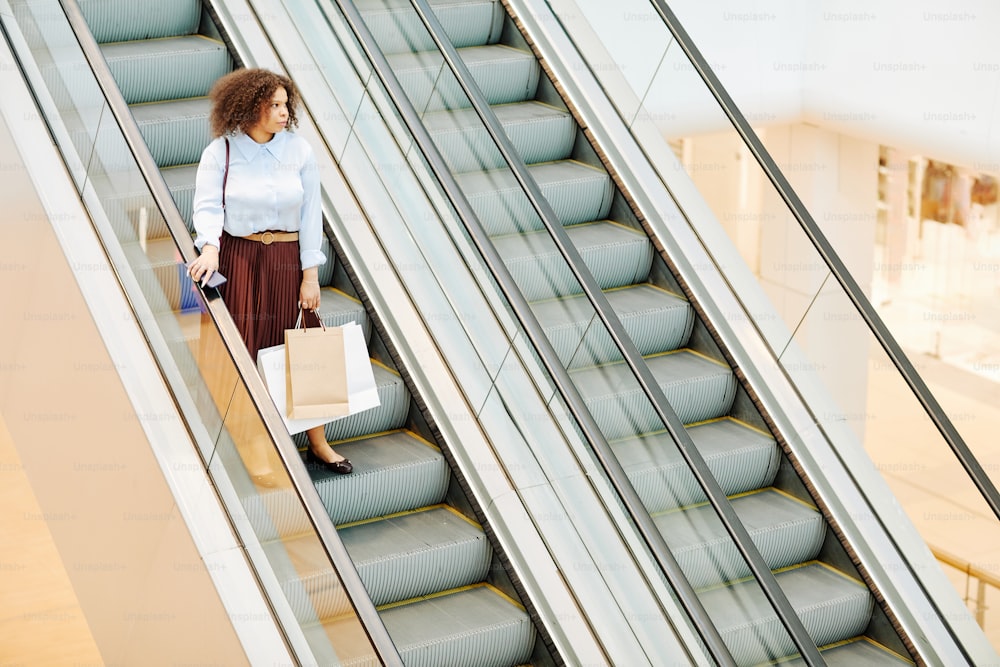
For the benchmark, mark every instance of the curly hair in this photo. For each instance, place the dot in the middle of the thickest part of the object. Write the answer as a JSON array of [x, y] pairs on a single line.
[[238, 98]]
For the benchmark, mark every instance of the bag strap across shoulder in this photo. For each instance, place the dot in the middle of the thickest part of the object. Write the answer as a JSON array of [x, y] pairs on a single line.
[[225, 176]]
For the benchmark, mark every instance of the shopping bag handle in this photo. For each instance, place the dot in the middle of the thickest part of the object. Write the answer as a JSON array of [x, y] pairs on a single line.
[[299, 322]]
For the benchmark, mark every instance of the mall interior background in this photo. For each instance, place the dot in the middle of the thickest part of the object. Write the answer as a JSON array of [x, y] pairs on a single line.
[[884, 118]]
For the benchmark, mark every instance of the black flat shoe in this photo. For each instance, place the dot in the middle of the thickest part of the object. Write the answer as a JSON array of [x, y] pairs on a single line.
[[342, 467]]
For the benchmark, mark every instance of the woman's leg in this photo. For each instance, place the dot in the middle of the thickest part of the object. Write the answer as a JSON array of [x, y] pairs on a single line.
[[320, 447]]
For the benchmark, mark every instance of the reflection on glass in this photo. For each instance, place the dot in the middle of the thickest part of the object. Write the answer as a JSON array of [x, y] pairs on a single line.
[[192, 345], [871, 205], [700, 387]]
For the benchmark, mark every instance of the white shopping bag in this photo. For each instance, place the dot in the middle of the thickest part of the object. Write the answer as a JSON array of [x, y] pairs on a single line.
[[361, 389]]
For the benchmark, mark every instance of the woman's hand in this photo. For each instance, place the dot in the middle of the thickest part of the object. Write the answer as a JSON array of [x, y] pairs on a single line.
[[309, 294], [203, 266]]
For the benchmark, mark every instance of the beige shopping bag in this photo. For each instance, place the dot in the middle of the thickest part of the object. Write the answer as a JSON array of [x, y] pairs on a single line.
[[315, 373]]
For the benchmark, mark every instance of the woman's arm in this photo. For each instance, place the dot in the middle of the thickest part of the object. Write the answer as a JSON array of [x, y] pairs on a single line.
[[310, 233], [208, 215]]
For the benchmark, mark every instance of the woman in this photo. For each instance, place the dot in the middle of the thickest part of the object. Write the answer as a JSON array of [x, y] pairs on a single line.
[[257, 216]]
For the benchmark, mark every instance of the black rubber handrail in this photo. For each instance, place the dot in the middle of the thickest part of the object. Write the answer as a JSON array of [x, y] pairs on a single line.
[[535, 333], [633, 358], [302, 484], [833, 261], [561, 378]]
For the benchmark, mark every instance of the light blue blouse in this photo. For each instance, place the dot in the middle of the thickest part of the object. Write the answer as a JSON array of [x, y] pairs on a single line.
[[272, 186]]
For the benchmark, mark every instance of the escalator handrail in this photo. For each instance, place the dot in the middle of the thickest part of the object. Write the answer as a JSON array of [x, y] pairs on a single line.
[[548, 357], [837, 267], [301, 482]]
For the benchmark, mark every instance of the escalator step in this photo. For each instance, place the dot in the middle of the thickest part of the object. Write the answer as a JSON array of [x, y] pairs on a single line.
[[833, 607], [616, 256], [696, 387], [858, 652], [393, 472], [656, 320], [390, 414], [538, 132], [417, 553], [180, 181], [503, 74], [140, 19], [451, 629], [310, 584], [337, 308], [167, 69], [176, 131], [785, 530], [576, 192], [741, 459], [397, 29]]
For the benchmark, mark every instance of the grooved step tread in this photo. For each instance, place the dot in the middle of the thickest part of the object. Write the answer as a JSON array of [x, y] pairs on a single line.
[[417, 553], [539, 133], [858, 653], [656, 320], [740, 458], [786, 532], [614, 254], [393, 472], [447, 629], [502, 73], [696, 387], [140, 19], [165, 69], [397, 29], [577, 193], [337, 308], [143, 49], [833, 607]]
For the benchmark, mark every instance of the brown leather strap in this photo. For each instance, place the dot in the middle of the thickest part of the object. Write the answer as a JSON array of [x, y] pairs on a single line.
[[225, 176], [267, 238]]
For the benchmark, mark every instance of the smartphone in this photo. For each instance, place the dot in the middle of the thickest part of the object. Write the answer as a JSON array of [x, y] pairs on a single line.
[[216, 280]]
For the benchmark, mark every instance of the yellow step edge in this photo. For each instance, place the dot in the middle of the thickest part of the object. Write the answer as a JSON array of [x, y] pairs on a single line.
[[450, 591], [394, 515]]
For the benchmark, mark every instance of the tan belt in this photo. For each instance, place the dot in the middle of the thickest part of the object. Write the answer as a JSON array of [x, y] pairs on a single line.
[[267, 238]]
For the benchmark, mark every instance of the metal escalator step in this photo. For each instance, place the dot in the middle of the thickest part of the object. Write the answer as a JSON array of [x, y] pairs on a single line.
[[418, 553], [397, 29], [696, 387], [140, 19], [393, 472], [167, 69], [538, 132], [390, 413], [833, 607], [616, 256], [858, 653], [576, 192], [656, 320], [176, 131], [503, 74], [180, 181], [474, 626], [310, 584], [337, 308], [740, 458], [785, 530]]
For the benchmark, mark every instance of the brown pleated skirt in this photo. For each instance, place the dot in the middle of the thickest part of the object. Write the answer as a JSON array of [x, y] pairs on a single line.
[[261, 289]]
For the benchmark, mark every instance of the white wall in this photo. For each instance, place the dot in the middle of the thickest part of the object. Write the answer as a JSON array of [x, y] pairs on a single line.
[[920, 75]]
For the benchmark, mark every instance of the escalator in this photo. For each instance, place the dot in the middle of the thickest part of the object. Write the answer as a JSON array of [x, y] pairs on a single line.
[[809, 562], [414, 536]]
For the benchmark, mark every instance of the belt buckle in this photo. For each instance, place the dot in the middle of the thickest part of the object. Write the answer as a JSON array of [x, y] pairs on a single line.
[[267, 238]]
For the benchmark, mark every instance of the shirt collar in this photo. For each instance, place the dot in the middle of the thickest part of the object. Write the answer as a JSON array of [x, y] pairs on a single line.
[[249, 148]]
